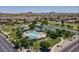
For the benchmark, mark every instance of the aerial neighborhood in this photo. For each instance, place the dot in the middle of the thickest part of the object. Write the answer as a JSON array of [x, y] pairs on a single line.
[[22, 17], [39, 32]]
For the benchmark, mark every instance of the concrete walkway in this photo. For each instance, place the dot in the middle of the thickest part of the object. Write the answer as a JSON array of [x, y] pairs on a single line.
[[62, 40], [66, 43]]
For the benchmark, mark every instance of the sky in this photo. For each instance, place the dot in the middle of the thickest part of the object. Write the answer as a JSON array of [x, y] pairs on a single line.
[[38, 9]]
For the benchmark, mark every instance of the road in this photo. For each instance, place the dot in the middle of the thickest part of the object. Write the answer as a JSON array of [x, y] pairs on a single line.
[[5, 46], [74, 47]]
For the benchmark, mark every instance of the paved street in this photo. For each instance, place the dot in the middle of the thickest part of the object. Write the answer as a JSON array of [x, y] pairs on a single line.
[[74, 47], [5, 46]]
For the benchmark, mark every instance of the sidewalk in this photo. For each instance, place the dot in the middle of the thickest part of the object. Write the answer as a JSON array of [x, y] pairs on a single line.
[[6, 36], [65, 43], [62, 40]]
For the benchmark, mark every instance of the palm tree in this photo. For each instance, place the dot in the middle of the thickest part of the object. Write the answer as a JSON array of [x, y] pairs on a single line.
[[16, 44]]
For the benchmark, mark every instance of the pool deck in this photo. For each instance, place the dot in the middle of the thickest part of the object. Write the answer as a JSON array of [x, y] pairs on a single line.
[[35, 34]]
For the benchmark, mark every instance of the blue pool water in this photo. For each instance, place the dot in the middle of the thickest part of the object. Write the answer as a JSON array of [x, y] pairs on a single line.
[[32, 34]]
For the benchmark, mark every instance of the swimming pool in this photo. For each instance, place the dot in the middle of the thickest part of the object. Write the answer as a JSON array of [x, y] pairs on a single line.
[[32, 34]]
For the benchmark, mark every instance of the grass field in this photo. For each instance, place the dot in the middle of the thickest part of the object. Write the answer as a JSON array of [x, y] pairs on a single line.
[[52, 42], [72, 25]]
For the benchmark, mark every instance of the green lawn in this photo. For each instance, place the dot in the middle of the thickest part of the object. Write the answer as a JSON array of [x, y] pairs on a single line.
[[6, 28], [74, 26], [9, 29], [36, 45], [13, 34], [54, 23], [52, 42]]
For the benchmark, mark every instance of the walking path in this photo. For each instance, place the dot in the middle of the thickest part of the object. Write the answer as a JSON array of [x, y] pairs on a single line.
[[62, 40], [65, 43]]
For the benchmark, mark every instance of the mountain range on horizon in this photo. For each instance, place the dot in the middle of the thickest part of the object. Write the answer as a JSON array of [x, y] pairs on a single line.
[[38, 13]]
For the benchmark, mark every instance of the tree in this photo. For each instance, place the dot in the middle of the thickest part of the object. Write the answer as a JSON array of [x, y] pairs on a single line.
[[33, 24], [62, 21], [63, 25], [31, 42], [19, 33], [69, 26], [78, 28], [44, 46], [67, 34], [44, 22], [58, 32], [57, 24], [25, 43], [16, 44], [53, 34]]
